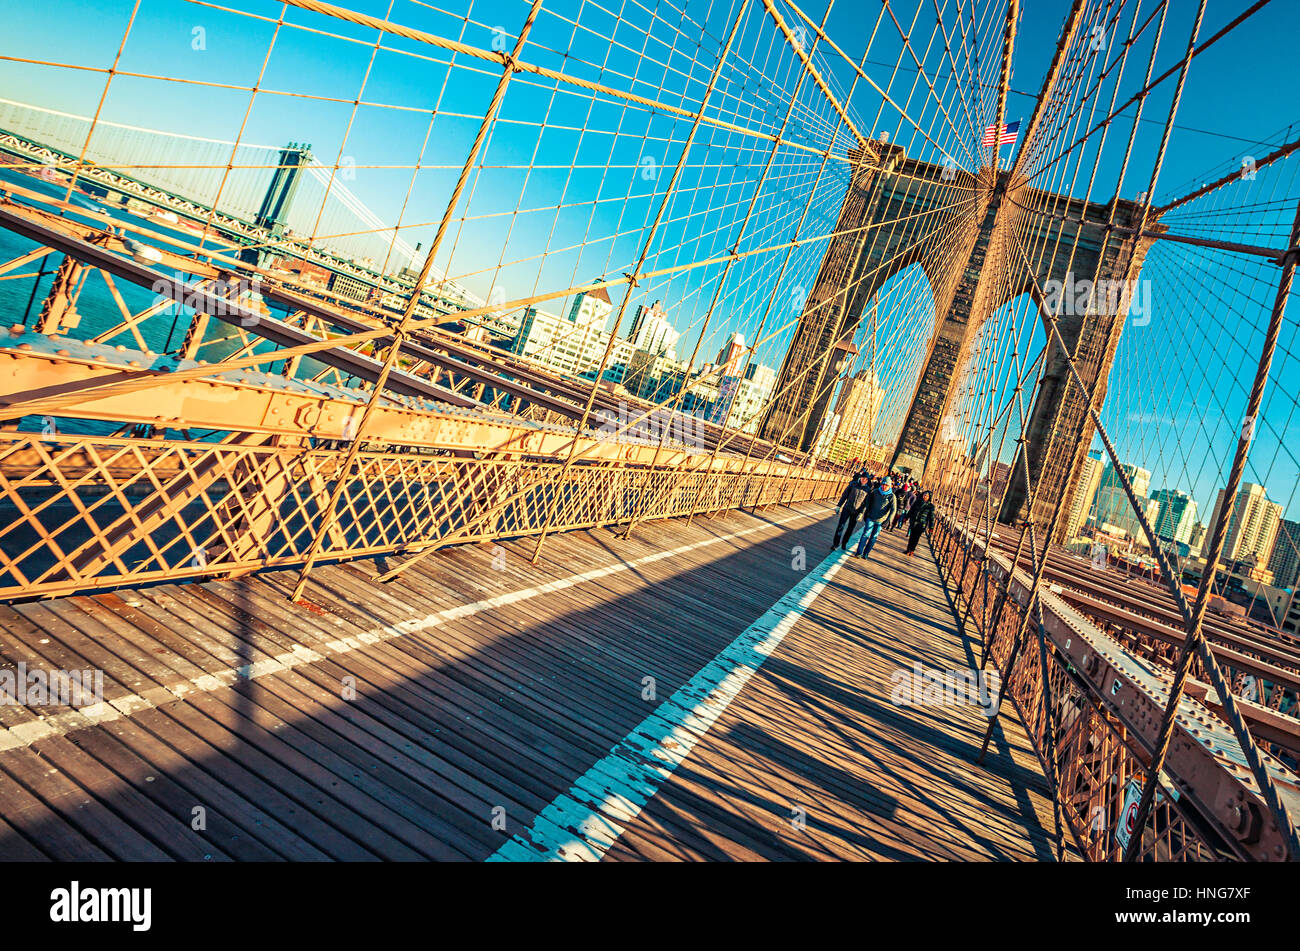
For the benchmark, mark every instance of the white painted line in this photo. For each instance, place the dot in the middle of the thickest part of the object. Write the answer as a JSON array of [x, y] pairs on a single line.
[[583, 823], [61, 724]]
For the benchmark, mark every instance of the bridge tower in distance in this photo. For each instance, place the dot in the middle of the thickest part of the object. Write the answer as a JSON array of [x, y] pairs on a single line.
[[274, 211]]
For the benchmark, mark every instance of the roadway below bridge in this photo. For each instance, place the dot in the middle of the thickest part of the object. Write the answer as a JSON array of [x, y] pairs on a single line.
[[724, 690]]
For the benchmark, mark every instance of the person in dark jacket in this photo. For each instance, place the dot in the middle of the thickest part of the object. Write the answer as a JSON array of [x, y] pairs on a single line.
[[906, 494], [850, 504], [880, 508], [921, 517]]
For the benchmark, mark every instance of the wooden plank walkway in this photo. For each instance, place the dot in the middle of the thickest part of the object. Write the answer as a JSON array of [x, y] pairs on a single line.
[[414, 720]]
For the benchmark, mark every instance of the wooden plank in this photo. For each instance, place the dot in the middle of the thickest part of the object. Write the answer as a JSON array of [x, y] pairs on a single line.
[[229, 767], [254, 721], [505, 707], [79, 808], [158, 814], [815, 728], [32, 826], [218, 724], [14, 848], [235, 824]]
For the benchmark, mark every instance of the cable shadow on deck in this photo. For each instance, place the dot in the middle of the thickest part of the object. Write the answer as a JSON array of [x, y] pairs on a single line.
[[497, 711]]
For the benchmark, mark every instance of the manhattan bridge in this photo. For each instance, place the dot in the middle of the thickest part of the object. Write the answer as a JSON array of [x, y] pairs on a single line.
[[460, 485]]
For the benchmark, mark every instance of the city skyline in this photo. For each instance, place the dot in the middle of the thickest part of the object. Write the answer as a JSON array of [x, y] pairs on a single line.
[[447, 427], [360, 141], [1256, 533]]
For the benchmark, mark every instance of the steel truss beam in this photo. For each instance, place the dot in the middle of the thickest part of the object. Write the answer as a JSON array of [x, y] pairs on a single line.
[[1203, 763]]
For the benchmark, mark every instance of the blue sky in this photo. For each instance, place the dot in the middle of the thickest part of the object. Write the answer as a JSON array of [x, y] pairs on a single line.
[[607, 164]]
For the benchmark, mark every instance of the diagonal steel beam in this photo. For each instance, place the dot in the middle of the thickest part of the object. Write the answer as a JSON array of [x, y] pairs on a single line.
[[1275, 156]]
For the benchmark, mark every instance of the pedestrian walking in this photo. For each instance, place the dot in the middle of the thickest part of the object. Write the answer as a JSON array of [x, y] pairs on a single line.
[[850, 505], [880, 508], [920, 518], [906, 499]]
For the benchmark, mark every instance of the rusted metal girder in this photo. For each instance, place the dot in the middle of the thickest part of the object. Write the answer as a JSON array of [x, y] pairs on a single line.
[[201, 298], [251, 401], [1204, 764], [440, 349], [1157, 608]]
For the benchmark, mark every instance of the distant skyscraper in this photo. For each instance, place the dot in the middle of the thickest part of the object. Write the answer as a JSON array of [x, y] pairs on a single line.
[[591, 307], [1139, 478], [651, 330], [826, 436], [730, 354], [561, 345], [858, 406], [1112, 505], [1285, 561], [999, 476], [1177, 515], [1252, 530], [751, 395], [1152, 513], [1084, 494]]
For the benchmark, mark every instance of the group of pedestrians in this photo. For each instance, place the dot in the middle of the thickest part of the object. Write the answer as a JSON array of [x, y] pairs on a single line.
[[882, 503]]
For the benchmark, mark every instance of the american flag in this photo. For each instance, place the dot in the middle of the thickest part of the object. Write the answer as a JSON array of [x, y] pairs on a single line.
[[1009, 133]]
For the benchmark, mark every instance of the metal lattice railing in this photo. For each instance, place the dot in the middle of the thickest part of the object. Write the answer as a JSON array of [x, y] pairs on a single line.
[[88, 513], [824, 193], [1091, 729]]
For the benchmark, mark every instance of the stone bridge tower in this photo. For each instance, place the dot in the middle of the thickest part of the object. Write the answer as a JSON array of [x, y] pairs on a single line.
[[977, 239], [896, 212]]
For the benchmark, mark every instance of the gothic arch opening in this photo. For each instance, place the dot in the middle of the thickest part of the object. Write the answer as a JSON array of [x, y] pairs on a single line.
[[879, 369]]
